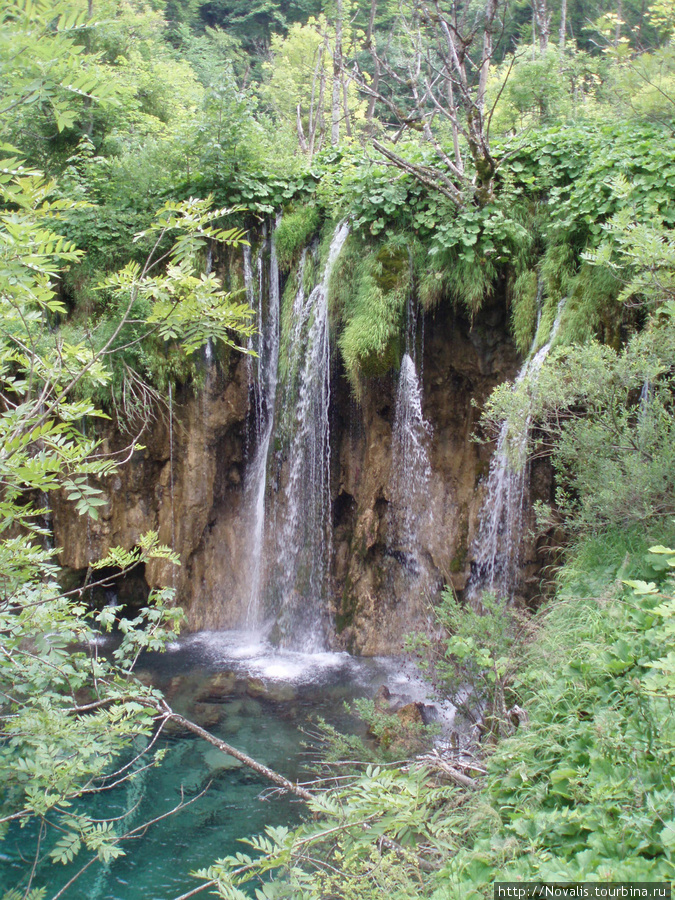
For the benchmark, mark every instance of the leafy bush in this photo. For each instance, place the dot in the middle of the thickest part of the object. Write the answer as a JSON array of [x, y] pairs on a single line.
[[473, 663], [587, 789]]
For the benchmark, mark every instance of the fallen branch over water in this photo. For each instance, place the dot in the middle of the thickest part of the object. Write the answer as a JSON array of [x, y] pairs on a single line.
[[265, 771]]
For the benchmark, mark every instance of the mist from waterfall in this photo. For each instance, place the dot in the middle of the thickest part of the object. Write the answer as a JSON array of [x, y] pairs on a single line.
[[263, 407], [497, 547], [304, 545]]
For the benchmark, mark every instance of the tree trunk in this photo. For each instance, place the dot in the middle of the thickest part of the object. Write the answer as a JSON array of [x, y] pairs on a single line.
[[301, 131], [345, 98], [266, 772], [563, 25], [337, 78], [543, 21], [370, 112], [316, 110], [619, 22], [372, 100], [455, 130]]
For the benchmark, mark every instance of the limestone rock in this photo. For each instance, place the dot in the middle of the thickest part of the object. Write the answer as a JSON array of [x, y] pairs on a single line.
[[411, 714], [195, 500], [217, 686], [207, 715]]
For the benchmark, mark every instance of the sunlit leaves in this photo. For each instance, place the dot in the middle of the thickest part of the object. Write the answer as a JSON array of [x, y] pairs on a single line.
[[43, 64]]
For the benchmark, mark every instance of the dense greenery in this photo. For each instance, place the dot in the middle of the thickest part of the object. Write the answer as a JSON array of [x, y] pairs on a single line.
[[138, 136]]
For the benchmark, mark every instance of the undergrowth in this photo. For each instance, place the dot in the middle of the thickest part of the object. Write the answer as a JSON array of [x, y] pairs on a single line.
[[586, 791]]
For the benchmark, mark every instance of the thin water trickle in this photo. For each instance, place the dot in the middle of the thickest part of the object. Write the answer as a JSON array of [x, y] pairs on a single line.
[[305, 545], [410, 465], [411, 469], [265, 404], [500, 532]]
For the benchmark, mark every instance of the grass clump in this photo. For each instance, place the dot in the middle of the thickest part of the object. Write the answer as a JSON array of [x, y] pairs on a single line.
[[293, 233], [524, 310], [368, 295]]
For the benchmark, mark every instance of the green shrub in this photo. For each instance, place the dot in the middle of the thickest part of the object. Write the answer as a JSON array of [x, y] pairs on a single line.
[[369, 341], [524, 310], [293, 233]]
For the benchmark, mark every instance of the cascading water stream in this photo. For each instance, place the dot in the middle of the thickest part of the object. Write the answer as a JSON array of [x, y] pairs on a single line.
[[264, 406], [305, 537], [500, 531], [411, 469]]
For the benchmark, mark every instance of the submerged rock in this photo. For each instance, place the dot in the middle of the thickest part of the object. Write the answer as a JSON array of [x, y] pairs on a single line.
[[217, 760], [255, 687], [217, 686], [232, 725], [207, 715]]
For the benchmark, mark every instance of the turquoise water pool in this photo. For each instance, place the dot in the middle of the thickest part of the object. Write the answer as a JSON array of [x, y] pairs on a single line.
[[249, 694]]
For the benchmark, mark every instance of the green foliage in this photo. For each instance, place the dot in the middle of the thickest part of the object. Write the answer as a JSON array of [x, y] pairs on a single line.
[[368, 298], [561, 796], [606, 417], [293, 234], [370, 836], [395, 737], [474, 663], [545, 89], [43, 65], [524, 310], [67, 713], [583, 212]]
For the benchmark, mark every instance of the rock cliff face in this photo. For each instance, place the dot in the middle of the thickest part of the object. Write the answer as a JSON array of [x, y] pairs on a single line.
[[194, 497], [191, 497]]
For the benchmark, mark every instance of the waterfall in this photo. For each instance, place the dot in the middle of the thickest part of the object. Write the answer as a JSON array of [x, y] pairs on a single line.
[[305, 534], [411, 469], [264, 397], [500, 530], [206, 392], [410, 462]]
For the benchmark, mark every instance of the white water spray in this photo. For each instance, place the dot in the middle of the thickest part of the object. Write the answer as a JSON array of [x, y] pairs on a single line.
[[411, 469], [410, 466]]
